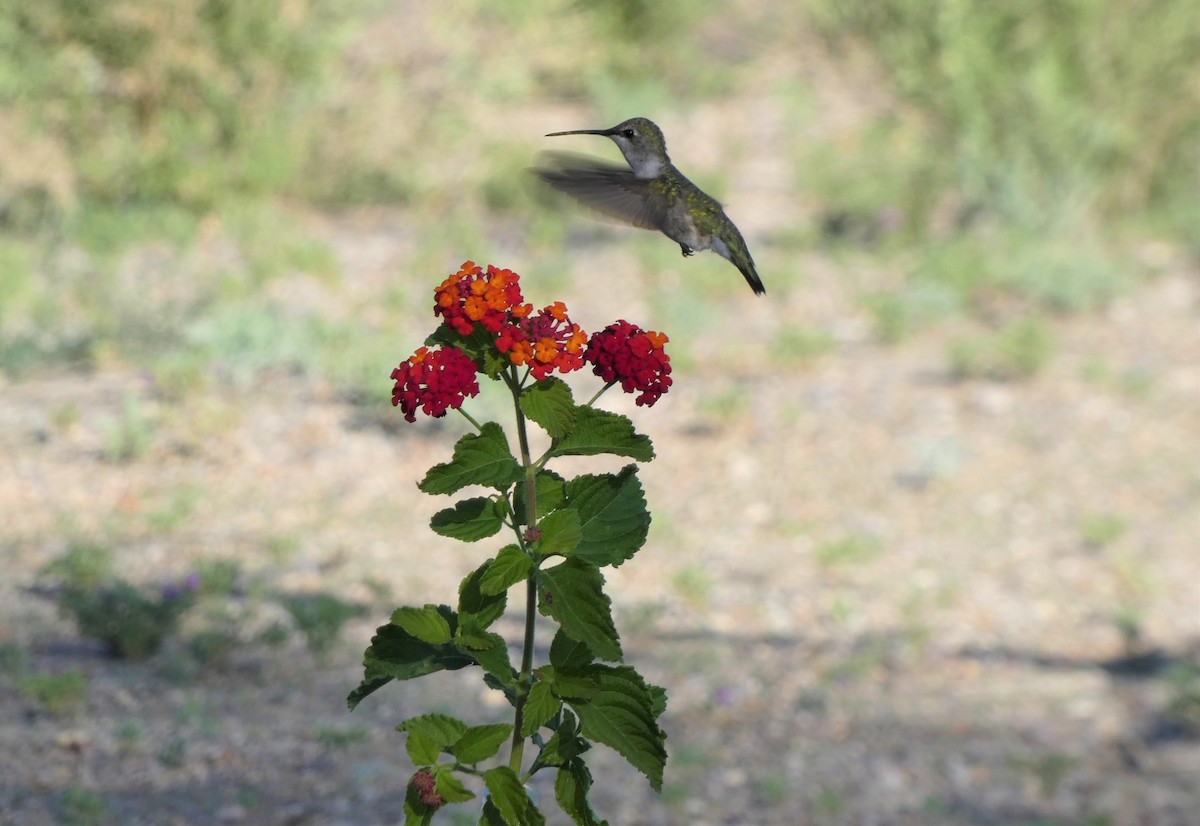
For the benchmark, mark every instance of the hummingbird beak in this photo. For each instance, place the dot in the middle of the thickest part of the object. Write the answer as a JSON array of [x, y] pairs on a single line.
[[580, 132]]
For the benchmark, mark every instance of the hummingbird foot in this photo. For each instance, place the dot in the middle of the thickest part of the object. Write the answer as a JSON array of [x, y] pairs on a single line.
[[686, 250]]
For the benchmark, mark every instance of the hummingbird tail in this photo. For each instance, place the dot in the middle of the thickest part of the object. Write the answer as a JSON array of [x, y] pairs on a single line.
[[747, 269]]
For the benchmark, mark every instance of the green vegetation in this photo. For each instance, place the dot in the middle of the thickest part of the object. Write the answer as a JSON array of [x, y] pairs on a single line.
[[58, 693], [847, 550], [1035, 138], [213, 609], [1016, 155], [320, 617]]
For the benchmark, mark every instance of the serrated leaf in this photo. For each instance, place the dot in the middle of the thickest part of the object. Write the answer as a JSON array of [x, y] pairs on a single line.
[[547, 492], [573, 594], [426, 624], [429, 735], [490, 816], [478, 610], [480, 742], [540, 706], [569, 656], [491, 652], [621, 716], [658, 699], [482, 458], [560, 532], [549, 404], [469, 520], [394, 654], [422, 750], [565, 745], [449, 786], [510, 566], [571, 787], [413, 817], [441, 728], [572, 687], [613, 518], [599, 431], [510, 798], [480, 345]]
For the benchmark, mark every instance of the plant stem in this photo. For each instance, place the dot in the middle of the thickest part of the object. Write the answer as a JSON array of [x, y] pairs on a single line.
[[525, 680], [599, 393], [470, 419]]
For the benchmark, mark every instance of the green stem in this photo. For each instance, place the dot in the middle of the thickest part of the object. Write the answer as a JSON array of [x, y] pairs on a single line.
[[599, 393], [470, 419], [525, 680]]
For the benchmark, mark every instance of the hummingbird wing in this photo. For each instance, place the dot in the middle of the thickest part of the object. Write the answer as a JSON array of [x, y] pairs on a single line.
[[607, 188]]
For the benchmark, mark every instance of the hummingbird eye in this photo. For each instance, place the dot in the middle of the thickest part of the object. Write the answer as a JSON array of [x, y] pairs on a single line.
[[627, 133]]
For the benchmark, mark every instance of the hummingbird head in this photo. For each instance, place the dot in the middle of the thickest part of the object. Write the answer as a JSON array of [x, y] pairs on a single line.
[[640, 141]]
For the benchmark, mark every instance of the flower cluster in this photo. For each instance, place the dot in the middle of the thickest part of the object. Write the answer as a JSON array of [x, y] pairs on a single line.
[[424, 784], [488, 314], [471, 297], [625, 353], [544, 342], [434, 381]]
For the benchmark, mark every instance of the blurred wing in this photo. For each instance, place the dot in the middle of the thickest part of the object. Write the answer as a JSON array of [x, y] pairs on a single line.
[[609, 189]]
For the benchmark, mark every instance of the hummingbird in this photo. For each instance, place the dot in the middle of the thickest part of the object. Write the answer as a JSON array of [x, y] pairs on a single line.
[[651, 193]]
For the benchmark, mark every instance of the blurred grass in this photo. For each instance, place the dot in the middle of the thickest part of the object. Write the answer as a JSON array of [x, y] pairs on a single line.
[[153, 158], [1027, 144]]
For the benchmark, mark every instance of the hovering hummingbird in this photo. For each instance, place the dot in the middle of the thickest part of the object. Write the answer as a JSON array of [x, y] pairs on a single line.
[[651, 193]]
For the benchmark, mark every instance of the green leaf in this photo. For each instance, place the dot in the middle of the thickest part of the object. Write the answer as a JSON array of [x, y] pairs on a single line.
[[540, 706], [571, 786], [394, 654], [621, 715], [478, 610], [509, 567], [480, 742], [449, 786], [429, 735], [612, 516], [574, 687], [599, 431], [565, 745], [413, 817], [510, 798], [426, 624], [480, 345], [490, 816], [560, 532], [573, 594], [549, 403], [569, 656], [547, 492], [479, 459], [470, 520], [491, 652]]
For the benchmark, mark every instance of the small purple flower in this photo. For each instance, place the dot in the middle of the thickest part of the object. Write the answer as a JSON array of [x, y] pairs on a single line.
[[191, 582]]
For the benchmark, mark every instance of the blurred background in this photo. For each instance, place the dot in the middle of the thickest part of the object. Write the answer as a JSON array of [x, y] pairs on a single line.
[[925, 516]]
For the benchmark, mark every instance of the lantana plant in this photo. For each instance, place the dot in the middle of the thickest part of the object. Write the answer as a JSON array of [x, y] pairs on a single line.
[[562, 533]]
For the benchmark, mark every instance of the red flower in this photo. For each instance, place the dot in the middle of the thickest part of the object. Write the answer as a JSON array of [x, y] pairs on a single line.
[[471, 297], [434, 381], [546, 342], [625, 353]]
